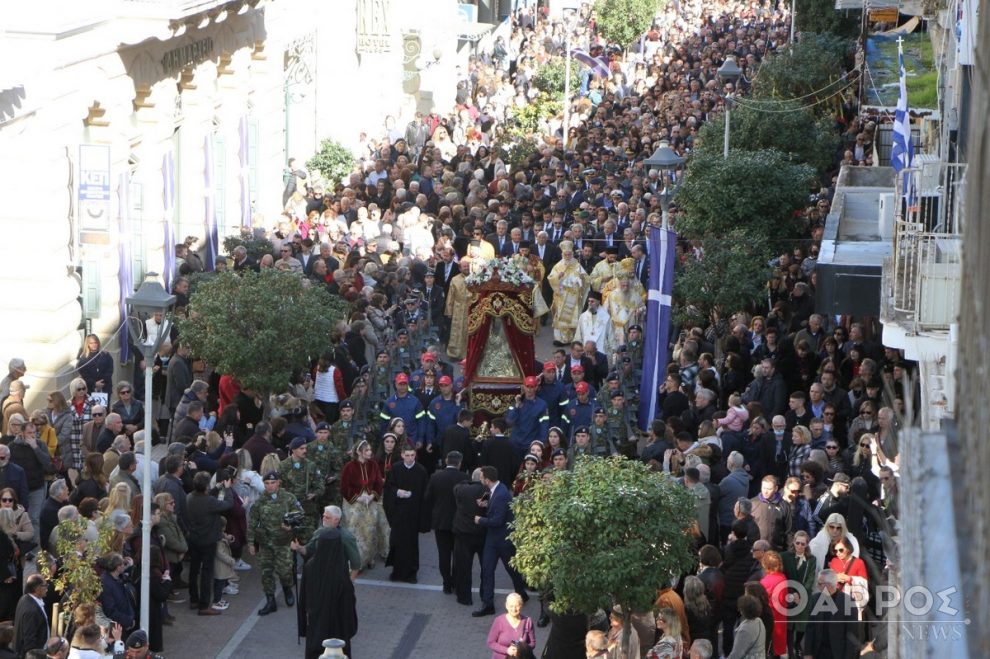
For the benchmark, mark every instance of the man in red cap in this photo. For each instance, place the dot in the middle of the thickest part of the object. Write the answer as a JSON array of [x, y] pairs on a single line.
[[580, 408], [528, 418], [406, 406], [442, 413], [579, 375], [552, 392], [428, 362]]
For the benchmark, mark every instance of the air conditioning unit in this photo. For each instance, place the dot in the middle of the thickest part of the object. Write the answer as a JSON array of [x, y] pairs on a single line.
[[929, 178]]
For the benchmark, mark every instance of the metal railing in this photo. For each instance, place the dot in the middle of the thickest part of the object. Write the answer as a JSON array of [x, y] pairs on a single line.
[[922, 278]]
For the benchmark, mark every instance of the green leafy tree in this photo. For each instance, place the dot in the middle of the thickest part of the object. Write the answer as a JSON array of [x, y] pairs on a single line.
[[256, 245], [607, 531], [260, 327], [798, 133], [731, 275], [77, 580], [808, 72], [754, 191], [820, 16], [530, 119], [549, 78], [622, 22], [333, 160]]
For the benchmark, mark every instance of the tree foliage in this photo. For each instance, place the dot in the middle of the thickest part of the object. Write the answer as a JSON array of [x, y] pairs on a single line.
[[753, 191], [549, 78], [622, 22], [807, 72], [333, 160], [531, 119], [820, 16], [731, 275], [256, 245], [799, 134], [77, 580], [606, 531], [260, 327]]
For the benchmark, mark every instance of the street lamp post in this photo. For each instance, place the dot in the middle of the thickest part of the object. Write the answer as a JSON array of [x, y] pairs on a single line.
[[669, 163], [729, 72], [149, 299], [567, 80]]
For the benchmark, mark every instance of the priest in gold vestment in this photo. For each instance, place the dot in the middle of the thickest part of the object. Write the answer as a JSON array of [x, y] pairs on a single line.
[[458, 299], [570, 288]]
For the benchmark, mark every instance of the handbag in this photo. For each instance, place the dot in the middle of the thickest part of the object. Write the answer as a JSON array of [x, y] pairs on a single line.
[[523, 650]]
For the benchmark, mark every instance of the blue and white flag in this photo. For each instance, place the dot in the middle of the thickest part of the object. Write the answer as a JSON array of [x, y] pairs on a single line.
[[597, 65], [168, 203], [658, 310], [902, 151], [209, 205]]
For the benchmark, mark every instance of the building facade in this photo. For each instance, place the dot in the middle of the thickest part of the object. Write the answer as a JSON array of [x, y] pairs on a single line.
[[128, 125]]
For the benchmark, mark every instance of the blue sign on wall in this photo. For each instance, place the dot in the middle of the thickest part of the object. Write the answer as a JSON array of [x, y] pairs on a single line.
[[94, 187]]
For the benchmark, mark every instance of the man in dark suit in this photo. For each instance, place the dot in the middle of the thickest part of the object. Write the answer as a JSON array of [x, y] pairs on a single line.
[[458, 438], [30, 619], [549, 254], [498, 452], [12, 475], [500, 239], [641, 269], [446, 269], [443, 506], [832, 627], [556, 228], [433, 300], [469, 538], [496, 522]]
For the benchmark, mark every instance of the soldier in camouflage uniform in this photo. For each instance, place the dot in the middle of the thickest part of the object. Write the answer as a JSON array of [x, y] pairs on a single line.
[[401, 356], [328, 460], [629, 381], [634, 348], [303, 479], [272, 537], [604, 399], [620, 427], [601, 441], [380, 381], [345, 434], [364, 412]]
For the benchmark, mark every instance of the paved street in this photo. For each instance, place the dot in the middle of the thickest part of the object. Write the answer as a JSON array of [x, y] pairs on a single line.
[[396, 621]]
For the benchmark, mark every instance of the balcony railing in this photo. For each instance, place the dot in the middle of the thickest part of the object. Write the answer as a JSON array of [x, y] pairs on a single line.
[[922, 277]]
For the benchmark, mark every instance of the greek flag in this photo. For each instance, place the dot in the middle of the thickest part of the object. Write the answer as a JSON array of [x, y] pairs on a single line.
[[168, 202], [209, 204], [655, 348], [597, 65], [902, 151]]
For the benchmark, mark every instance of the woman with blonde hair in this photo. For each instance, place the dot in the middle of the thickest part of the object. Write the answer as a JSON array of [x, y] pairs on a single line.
[[362, 487], [269, 463], [119, 498], [46, 433], [670, 645], [58, 417], [81, 412]]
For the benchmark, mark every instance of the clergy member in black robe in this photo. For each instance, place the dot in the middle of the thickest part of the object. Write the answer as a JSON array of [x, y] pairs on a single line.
[[407, 515], [327, 605]]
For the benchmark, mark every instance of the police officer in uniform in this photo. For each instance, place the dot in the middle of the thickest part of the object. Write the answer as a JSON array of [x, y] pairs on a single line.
[[268, 536], [380, 381], [303, 480]]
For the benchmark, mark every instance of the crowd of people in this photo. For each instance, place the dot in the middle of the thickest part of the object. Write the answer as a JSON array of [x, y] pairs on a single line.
[[782, 422]]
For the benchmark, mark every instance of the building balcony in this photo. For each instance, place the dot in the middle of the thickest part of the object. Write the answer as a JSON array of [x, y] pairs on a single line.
[[922, 276], [178, 10]]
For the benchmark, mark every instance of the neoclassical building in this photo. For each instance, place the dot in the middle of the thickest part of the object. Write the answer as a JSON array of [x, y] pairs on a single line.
[[128, 125]]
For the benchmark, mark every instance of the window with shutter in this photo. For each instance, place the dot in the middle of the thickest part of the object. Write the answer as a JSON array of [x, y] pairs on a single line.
[[91, 283]]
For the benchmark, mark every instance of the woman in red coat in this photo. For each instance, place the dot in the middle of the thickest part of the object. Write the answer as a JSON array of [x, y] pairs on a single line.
[[361, 486], [850, 568], [775, 583]]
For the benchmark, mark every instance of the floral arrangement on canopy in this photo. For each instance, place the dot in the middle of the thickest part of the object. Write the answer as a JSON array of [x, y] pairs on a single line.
[[508, 270]]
